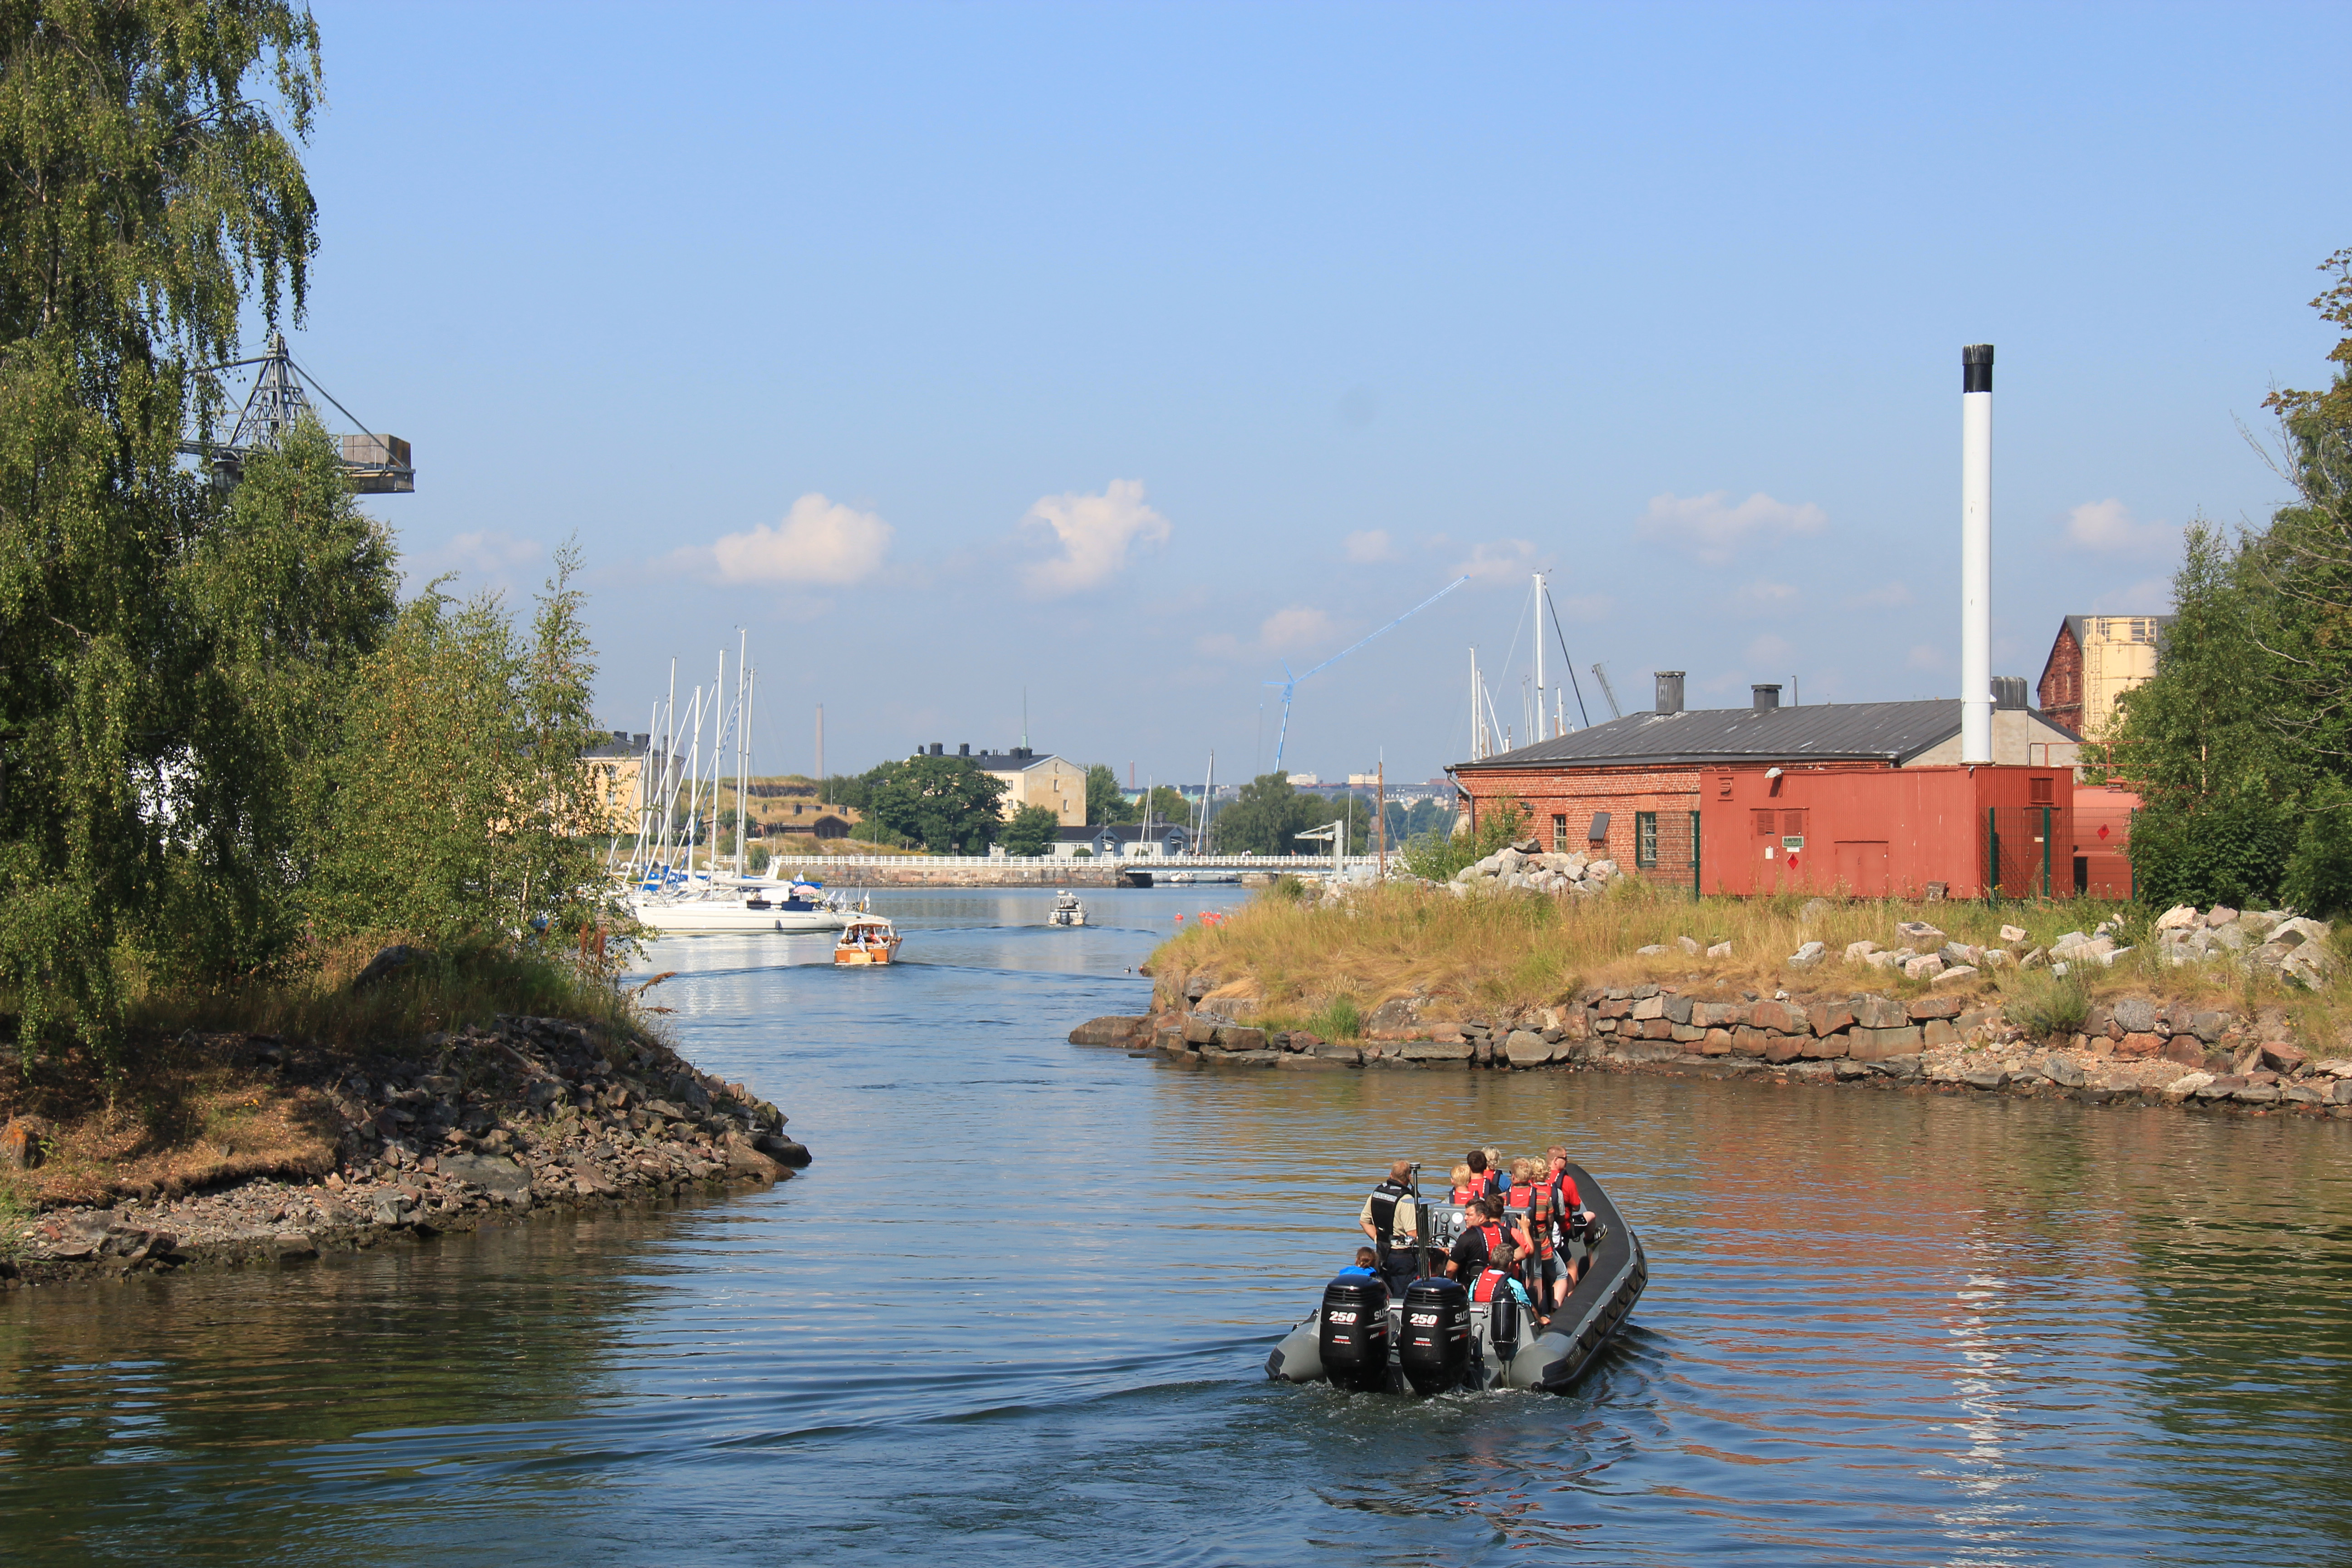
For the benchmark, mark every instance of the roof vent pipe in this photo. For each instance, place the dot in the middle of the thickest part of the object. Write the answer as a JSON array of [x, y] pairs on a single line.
[[964, 748], [1670, 690], [1976, 553], [1764, 698], [2008, 692]]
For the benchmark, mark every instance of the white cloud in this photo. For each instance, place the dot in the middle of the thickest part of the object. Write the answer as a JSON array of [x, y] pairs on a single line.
[[2108, 525], [1300, 626], [819, 540], [1764, 595], [486, 551], [1095, 533], [1498, 559], [1371, 544], [1712, 529], [2152, 597], [1886, 597], [1927, 655]]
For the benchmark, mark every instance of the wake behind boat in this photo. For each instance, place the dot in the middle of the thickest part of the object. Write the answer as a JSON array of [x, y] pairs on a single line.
[[1439, 1335]]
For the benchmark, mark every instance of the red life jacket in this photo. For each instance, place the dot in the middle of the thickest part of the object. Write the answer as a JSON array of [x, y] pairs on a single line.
[[1494, 1242], [1466, 1195], [1486, 1183], [1568, 1199], [1489, 1282]]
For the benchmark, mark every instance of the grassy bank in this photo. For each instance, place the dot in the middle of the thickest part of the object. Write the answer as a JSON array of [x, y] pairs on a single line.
[[1327, 966], [195, 1098]]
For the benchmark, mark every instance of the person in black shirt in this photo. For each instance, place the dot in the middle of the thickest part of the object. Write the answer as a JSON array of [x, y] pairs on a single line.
[[1483, 1244]]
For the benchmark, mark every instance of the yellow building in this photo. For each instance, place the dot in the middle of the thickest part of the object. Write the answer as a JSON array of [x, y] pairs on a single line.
[[2096, 659], [1029, 779]]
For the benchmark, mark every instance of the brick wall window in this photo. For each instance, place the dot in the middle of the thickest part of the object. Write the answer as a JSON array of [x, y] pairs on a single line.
[[1560, 833], [1645, 839]]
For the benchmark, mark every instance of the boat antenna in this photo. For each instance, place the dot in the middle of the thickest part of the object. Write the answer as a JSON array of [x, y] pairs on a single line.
[[1574, 685]]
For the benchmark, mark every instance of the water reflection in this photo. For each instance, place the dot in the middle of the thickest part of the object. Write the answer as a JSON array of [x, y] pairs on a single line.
[[1016, 1312]]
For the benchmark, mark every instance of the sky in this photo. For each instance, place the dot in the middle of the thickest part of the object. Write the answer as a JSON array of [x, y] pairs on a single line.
[[1110, 359]]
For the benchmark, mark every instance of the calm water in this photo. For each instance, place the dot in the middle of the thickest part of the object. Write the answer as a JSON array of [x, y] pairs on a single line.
[[1018, 1310]]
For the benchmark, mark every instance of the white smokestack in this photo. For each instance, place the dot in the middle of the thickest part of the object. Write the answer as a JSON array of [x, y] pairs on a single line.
[[1976, 553]]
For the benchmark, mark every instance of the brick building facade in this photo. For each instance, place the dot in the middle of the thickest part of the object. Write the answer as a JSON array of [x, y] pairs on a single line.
[[1631, 788]]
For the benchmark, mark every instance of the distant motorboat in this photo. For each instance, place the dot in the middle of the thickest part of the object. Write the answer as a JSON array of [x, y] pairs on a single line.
[[1067, 910], [1195, 878], [867, 940]]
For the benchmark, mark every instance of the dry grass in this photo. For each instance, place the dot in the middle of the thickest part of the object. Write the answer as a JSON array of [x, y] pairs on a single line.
[[191, 1107], [192, 1114], [446, 992], [1490, 953]]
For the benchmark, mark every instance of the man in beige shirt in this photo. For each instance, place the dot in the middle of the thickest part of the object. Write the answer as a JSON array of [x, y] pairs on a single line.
[[1389, 1219]]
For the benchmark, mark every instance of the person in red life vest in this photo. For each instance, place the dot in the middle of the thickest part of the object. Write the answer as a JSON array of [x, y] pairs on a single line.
[[1569, 1213], [1466, 1191], [1492, 1283], [1483, 1243], [1484, 1182], [1537, 1237]]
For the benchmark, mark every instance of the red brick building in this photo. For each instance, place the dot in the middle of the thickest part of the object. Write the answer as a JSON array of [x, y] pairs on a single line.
[[1631, 788]]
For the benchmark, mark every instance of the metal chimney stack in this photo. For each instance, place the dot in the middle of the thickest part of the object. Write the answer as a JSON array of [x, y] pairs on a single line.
[[1976, 553]]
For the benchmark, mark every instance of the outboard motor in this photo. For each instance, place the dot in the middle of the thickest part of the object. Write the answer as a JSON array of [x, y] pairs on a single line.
[[1435, 1352], [1353, 1333]]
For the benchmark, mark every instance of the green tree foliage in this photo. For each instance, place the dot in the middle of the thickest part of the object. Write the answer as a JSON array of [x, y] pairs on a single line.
[[2240, 747], [944, 804], [145, 199], [1166, 804], [460, 809], [1106, 803], [1031, 831], [288, 595], [1267, 814]]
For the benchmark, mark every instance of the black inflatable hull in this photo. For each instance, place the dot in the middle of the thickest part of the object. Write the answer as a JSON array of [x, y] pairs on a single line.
[[1552, 1361]]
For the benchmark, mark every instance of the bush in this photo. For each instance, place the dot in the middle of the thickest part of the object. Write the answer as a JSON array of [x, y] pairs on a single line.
[[1435, 857], [1340, 1020], [2218, 852], [758, 863], [2047, 1007]]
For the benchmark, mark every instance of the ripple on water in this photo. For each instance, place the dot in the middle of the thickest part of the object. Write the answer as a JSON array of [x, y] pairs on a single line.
[[1017, 1312]]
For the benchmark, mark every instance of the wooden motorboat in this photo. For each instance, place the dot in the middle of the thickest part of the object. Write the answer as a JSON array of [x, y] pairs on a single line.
[[866, 939]]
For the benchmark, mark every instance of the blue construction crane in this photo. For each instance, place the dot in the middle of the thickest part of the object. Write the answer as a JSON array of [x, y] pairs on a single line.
[[1290, 682]]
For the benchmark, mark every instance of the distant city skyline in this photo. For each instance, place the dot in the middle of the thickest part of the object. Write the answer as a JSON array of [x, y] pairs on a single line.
[[1119, 355]]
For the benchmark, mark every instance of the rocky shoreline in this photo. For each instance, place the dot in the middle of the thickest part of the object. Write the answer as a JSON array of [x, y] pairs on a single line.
[[2136, 1049], [450, 1133]]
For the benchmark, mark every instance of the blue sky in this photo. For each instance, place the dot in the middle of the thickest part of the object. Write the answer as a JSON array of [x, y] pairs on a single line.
[[1122, 352]]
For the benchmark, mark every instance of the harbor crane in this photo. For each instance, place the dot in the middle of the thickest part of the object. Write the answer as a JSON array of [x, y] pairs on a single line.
[[1607, 690], [1289, 683], [378, 465]]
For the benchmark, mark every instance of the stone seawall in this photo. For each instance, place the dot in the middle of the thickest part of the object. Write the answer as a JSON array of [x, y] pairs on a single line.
[[2136, 1049]]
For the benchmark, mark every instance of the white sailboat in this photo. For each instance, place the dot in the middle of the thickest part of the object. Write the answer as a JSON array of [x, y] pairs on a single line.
[[664, 889]]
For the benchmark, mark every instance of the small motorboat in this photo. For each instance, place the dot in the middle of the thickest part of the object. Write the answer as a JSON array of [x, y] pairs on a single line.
[[1436, 1338], [866, 939], [1067, 910]]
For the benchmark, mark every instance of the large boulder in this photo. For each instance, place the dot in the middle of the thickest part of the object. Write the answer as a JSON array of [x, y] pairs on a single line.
[[1113, 1029], [1527, 1049]]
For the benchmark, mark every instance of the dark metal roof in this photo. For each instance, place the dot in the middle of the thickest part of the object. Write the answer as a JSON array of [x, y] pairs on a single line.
[[1825, 732]]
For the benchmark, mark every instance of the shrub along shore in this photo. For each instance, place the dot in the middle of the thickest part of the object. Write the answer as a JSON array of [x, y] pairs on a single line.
[[245, 1146], [1404, 978]]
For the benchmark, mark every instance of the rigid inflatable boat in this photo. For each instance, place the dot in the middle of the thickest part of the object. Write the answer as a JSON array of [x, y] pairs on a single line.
[[1436, 1338]]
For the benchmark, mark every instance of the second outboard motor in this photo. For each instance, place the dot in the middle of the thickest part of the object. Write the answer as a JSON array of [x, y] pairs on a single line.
[[1435, 1352], [1353, 1333]]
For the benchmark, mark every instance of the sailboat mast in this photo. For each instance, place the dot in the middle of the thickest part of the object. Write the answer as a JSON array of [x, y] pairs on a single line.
[[1539, 670]]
